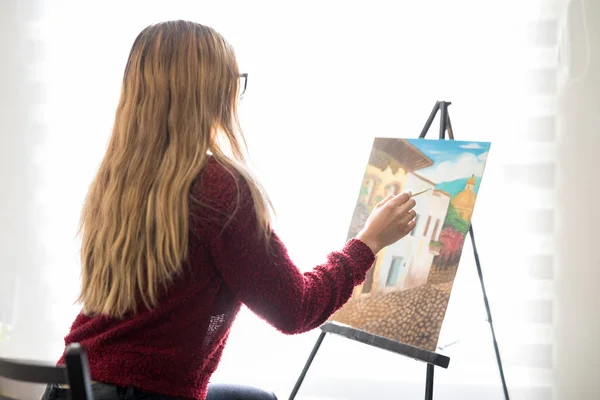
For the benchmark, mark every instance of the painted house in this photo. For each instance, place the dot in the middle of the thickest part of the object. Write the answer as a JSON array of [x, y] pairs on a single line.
[[390, 171], [389, 164], [426, 235], [406, 263]]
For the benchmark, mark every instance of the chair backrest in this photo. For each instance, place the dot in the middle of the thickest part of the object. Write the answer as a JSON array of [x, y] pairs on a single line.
[[75, 373]]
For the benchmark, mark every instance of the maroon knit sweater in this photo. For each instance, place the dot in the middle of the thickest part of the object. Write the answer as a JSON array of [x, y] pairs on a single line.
[[174, 348]]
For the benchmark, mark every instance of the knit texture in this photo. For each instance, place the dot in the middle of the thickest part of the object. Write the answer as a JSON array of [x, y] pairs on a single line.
[[174, 348]]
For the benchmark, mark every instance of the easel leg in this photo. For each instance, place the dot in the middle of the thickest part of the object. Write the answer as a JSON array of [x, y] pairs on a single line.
[[429, 383], [307, 365], [430, 120], [443, 119], [489, 314]]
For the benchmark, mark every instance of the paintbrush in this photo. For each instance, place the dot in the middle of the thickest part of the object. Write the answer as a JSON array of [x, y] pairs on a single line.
[[421, 192]]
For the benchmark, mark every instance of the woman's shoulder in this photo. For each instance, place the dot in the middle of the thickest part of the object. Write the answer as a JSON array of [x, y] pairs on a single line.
[[219, 195], [217, 173], [219, 184]]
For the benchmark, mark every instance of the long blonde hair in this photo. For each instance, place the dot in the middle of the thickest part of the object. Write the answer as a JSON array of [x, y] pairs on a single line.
[[178, 99]]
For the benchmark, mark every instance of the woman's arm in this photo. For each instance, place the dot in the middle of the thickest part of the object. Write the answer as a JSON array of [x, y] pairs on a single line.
[[264, 277], [272, 286]]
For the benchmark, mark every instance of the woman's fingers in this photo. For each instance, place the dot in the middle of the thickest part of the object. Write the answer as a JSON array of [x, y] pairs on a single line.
[[382, 202], [400, 199], [406, 207], [406, 218], [410, 226]]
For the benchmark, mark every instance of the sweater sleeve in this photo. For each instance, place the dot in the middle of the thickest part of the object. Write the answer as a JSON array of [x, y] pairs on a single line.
[[266, 280]]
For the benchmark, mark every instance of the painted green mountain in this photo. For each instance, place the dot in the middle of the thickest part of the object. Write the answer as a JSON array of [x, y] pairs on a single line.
[[454, 187]]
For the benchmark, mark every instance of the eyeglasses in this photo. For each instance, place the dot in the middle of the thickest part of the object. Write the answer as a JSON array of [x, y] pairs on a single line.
[[244, 84]]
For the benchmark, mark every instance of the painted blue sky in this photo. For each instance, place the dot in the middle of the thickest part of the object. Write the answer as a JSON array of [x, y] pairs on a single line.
[[453, 159]]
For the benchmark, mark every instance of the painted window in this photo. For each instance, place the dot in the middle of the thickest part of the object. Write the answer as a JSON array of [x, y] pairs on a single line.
[[427, 226], [436, 227], [391, 189], [394, 272], [367, 190]]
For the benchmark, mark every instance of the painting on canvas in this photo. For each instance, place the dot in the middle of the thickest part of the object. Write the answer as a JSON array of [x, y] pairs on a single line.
[[406, 292]]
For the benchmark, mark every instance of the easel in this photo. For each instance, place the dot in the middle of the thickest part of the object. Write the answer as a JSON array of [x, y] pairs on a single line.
[[431, 358]]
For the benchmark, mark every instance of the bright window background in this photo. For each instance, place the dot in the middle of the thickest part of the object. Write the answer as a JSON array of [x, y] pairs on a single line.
[[324, 79]]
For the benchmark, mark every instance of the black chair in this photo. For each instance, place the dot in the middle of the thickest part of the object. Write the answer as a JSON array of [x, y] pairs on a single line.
[[75, 374]]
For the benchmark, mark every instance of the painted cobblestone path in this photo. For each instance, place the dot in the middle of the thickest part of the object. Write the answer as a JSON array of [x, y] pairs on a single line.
[[413, 316]]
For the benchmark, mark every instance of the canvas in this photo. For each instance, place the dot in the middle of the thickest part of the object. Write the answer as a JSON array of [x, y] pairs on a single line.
[[406, 292]]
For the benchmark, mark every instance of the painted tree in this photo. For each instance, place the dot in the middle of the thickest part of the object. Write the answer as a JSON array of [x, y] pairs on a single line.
[[452, 243], [455, 221]]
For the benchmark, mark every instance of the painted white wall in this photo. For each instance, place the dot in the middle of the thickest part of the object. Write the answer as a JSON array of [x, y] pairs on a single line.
[[578, 276], [439, 207], [407, 246], [424, 201], [415, 248]]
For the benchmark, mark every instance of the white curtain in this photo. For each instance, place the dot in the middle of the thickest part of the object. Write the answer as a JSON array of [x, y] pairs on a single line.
[[325, 77]]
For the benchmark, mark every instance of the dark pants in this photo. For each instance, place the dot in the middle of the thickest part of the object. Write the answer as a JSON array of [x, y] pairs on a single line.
[[109, 392]]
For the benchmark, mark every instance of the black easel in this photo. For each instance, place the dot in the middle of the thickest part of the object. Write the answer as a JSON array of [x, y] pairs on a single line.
[[431, 358], [445, 125]]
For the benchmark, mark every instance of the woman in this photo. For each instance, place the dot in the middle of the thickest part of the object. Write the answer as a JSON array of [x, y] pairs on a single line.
[[176, 235]]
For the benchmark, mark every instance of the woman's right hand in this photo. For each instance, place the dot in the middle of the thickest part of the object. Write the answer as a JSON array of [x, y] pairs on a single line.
[[391, 220]]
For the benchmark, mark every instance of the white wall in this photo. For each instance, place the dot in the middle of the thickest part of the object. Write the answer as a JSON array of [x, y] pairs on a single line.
[[577, 359], [21, 253], [578, 327], [20, 182]]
